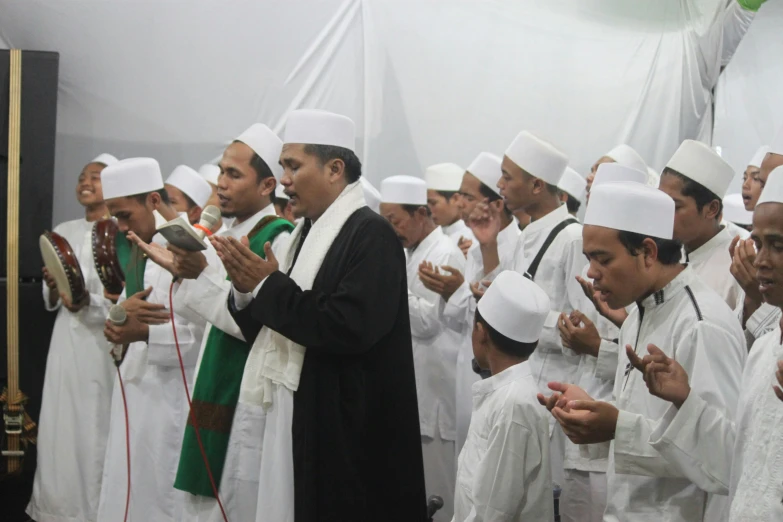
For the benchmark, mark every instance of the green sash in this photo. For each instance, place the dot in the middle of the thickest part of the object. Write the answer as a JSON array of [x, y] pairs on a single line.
[[133, 262], [216, 392]]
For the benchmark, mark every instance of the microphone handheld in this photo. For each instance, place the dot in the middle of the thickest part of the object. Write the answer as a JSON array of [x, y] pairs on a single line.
[[209, 218], [179, 232], [117, 316]]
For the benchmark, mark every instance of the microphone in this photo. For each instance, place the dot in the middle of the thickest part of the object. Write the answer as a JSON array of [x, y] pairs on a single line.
[[117, 317], [209, 218]]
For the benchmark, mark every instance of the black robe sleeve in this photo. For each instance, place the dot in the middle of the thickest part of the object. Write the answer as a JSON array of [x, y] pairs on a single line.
[[351, 318]]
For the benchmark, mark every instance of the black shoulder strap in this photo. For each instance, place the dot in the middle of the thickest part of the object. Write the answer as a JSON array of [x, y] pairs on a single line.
[[533, 268]]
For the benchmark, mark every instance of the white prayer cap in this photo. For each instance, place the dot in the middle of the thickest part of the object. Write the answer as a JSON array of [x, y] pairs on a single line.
[[614, 172], [626, 155], [758, 157], [515, 306], [191, 184], [487, 168], [266, 144], [776, 147], [130, 177], [444, 176], [404, 190], [371, 195], [210, 173], [280, 192], [314, 127], [734, 210], [106, 159], [653, 178], [573, 184], [698, 162], [632, 207], [537, 157], [773, 189]]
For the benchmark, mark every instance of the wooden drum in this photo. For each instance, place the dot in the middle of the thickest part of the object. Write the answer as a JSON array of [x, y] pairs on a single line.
[[105, 238], [61, 263]]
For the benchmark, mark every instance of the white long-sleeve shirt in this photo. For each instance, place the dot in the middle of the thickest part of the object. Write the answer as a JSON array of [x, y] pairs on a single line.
[[457, 230], [435, 347], [692, 324], [458, 313], [504, 471], [712, 263], [735, 454]]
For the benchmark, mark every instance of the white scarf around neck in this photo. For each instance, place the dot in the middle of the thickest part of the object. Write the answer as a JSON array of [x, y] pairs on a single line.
[[275, 359]]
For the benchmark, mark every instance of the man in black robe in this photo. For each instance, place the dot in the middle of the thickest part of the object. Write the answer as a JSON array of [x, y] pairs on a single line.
[[355, 427]]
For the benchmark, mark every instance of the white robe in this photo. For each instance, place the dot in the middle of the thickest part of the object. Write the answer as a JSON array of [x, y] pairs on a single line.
[[205, 298], [74, 421], [457, 230], [688, 321], [157, 411], [712, 263], [458, 313], [435, 350], [504, 470], [735, 454]]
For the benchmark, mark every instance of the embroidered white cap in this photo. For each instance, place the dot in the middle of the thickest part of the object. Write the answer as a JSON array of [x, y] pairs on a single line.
[[537, 157], [614, 172], [191, 184], [776, 146], [758, 157], [698, 162], [773, 189], [487, 168], [734, 210], [266, 144], [371, 195], [404, 190], [444, 176], [632, 207], [106, 159], [573, 184], [316, 127], [653, 178], [627, 155], [515, 306], [130, 177], [210, 173]]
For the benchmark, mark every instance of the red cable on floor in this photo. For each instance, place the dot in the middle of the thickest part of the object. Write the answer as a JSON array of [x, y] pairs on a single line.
[[190, 406], [127, 443]]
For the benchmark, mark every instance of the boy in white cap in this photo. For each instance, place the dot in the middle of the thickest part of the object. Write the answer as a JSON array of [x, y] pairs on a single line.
[[283, 205], [134, 194], [697, 178], [622, 154], [593, 338], [443, 183], [458, 304], [74, 420], [331, 368], [757, 316], [733, 451], [549, 251], [188, 192], [435, 348], [628, 240], [573, 189], [751, 184], [735, 214], [246, 182], [504, 471]]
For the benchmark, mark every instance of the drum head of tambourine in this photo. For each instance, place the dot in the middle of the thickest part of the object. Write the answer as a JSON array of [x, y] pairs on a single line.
[[54, 266]]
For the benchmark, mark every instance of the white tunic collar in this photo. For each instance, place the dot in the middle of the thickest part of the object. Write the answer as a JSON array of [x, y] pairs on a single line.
[[705, 251], [244, 228], [510, 233], [514, 373], [666, 293], [432, 238], [548, 221], [454, 227]]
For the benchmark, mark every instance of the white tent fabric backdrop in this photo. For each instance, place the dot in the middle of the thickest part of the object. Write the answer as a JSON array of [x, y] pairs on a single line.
[[426, 81]]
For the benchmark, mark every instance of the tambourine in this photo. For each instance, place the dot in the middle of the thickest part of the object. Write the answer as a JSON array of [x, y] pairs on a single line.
[[61, 263], [105, 237]]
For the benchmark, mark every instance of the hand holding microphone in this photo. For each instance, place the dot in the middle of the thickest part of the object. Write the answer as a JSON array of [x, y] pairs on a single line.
[[189, 263], [117, 316]]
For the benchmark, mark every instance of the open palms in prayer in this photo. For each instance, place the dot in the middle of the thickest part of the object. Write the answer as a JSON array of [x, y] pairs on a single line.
[[617, 317], [485, 222], [664, 376]]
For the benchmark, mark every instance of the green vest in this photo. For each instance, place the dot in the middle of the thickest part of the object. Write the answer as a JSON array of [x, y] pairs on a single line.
[[216, 392]]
